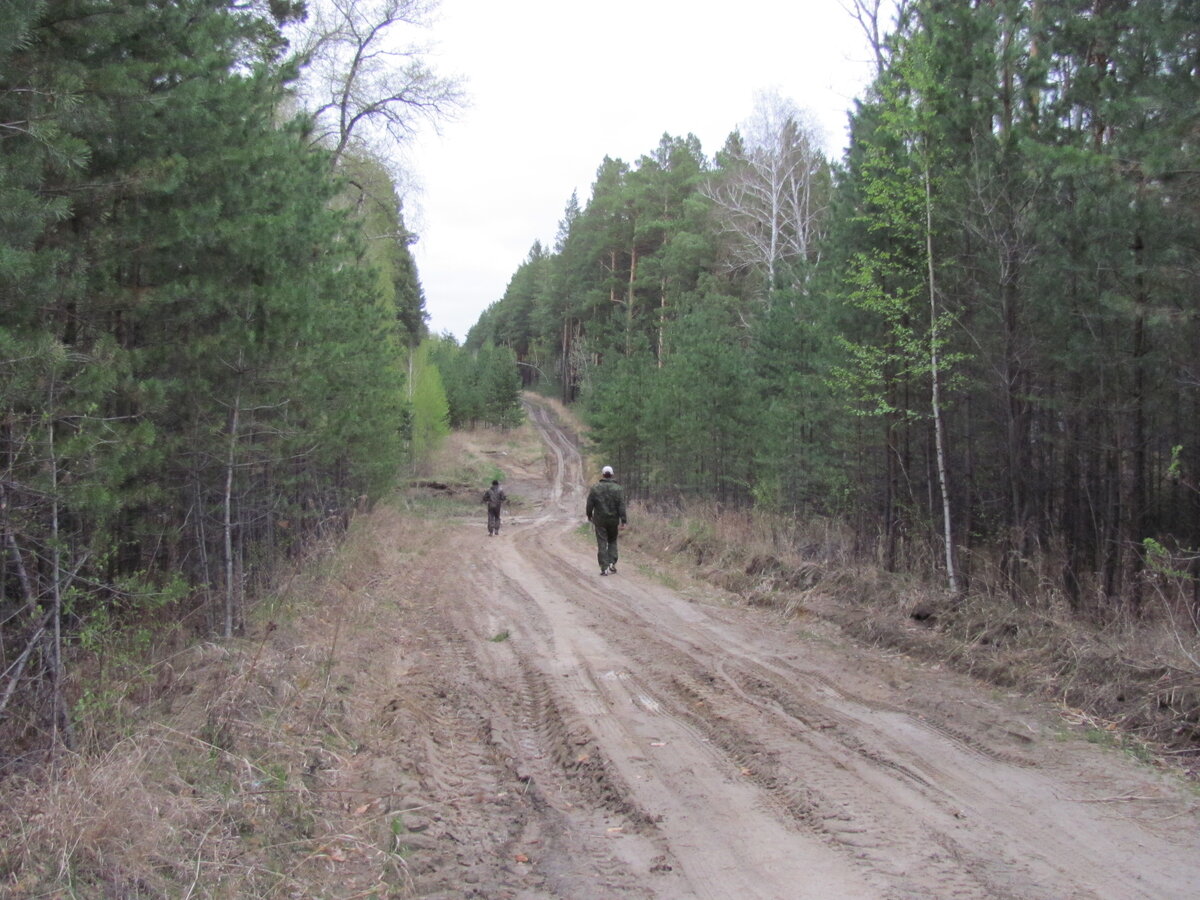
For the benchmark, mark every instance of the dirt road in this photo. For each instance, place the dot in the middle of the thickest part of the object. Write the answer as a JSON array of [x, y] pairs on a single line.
[[640, 736]]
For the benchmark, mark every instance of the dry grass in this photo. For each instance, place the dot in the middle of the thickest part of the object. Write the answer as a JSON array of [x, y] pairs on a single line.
[[209, 793], [763, 559], [205, 769]]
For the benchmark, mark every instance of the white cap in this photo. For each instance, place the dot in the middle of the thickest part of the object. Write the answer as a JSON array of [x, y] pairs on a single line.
[[607, 470]]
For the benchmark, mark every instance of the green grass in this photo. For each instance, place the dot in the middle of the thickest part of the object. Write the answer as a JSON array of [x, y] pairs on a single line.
[[1115, 740], [440, 505], [399, 830], [663, 577]]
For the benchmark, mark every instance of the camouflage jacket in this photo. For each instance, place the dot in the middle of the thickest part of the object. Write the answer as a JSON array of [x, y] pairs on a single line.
[[606, 502]]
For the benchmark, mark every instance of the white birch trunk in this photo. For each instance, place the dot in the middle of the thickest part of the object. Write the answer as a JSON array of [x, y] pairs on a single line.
[[935, 399], [230, 588]]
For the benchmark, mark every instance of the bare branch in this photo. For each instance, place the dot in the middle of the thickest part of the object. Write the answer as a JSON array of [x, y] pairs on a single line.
[[770, 196], [365, 80], [18, 667], [868, 15]]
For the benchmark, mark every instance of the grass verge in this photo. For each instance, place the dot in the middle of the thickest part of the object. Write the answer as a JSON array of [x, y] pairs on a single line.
[[205, 780]]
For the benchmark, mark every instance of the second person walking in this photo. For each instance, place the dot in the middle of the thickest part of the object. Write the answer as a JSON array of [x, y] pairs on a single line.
[[606, 511]]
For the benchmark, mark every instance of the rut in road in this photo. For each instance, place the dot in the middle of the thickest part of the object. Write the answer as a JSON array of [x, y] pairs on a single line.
[[732, 756]]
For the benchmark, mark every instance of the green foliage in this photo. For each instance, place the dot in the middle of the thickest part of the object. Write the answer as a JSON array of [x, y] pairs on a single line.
[[1162, 561], [500, 386], [618, 410], [203, 330], [482, 386], [430, 410], [370, 198], [463, 401]]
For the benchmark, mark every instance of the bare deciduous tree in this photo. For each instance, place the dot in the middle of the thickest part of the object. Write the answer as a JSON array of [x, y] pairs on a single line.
[[868, 14], [365, 80], [771, 191]]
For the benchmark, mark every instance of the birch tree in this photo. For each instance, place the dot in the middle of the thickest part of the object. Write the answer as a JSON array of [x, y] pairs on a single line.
[[771, 191], [899, 273]]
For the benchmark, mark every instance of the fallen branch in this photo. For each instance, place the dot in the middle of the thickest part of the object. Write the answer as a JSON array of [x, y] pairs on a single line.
[[18, 667]]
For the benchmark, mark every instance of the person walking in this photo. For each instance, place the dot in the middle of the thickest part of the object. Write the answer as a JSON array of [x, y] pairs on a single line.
[[494, 497], [606, 511]]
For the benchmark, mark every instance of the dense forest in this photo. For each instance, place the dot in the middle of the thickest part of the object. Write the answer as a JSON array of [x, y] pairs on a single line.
[[974, 339], [211, 323]]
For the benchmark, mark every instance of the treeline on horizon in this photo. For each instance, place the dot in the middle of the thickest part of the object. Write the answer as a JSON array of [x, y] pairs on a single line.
[[213, 340], [974, 340]]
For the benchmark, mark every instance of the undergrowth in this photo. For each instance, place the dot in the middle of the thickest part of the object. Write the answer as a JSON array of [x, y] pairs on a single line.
[[207, 783]]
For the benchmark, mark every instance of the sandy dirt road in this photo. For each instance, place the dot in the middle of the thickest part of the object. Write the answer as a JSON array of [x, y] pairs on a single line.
[[641, 736]]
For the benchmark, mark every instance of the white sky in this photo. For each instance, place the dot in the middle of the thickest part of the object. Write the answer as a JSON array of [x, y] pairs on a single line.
[[555, 85]]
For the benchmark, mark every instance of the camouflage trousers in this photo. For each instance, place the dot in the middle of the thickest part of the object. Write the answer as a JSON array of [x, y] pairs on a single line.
[[606, 542]]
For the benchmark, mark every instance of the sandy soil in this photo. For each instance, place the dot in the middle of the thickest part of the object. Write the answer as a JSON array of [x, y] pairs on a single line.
[[546, 732]]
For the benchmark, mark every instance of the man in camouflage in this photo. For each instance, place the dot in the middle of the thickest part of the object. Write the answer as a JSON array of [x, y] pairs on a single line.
[[494, 497], [606, 511]]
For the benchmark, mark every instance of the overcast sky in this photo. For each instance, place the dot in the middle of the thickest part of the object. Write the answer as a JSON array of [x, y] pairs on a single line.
[[555, 85]]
